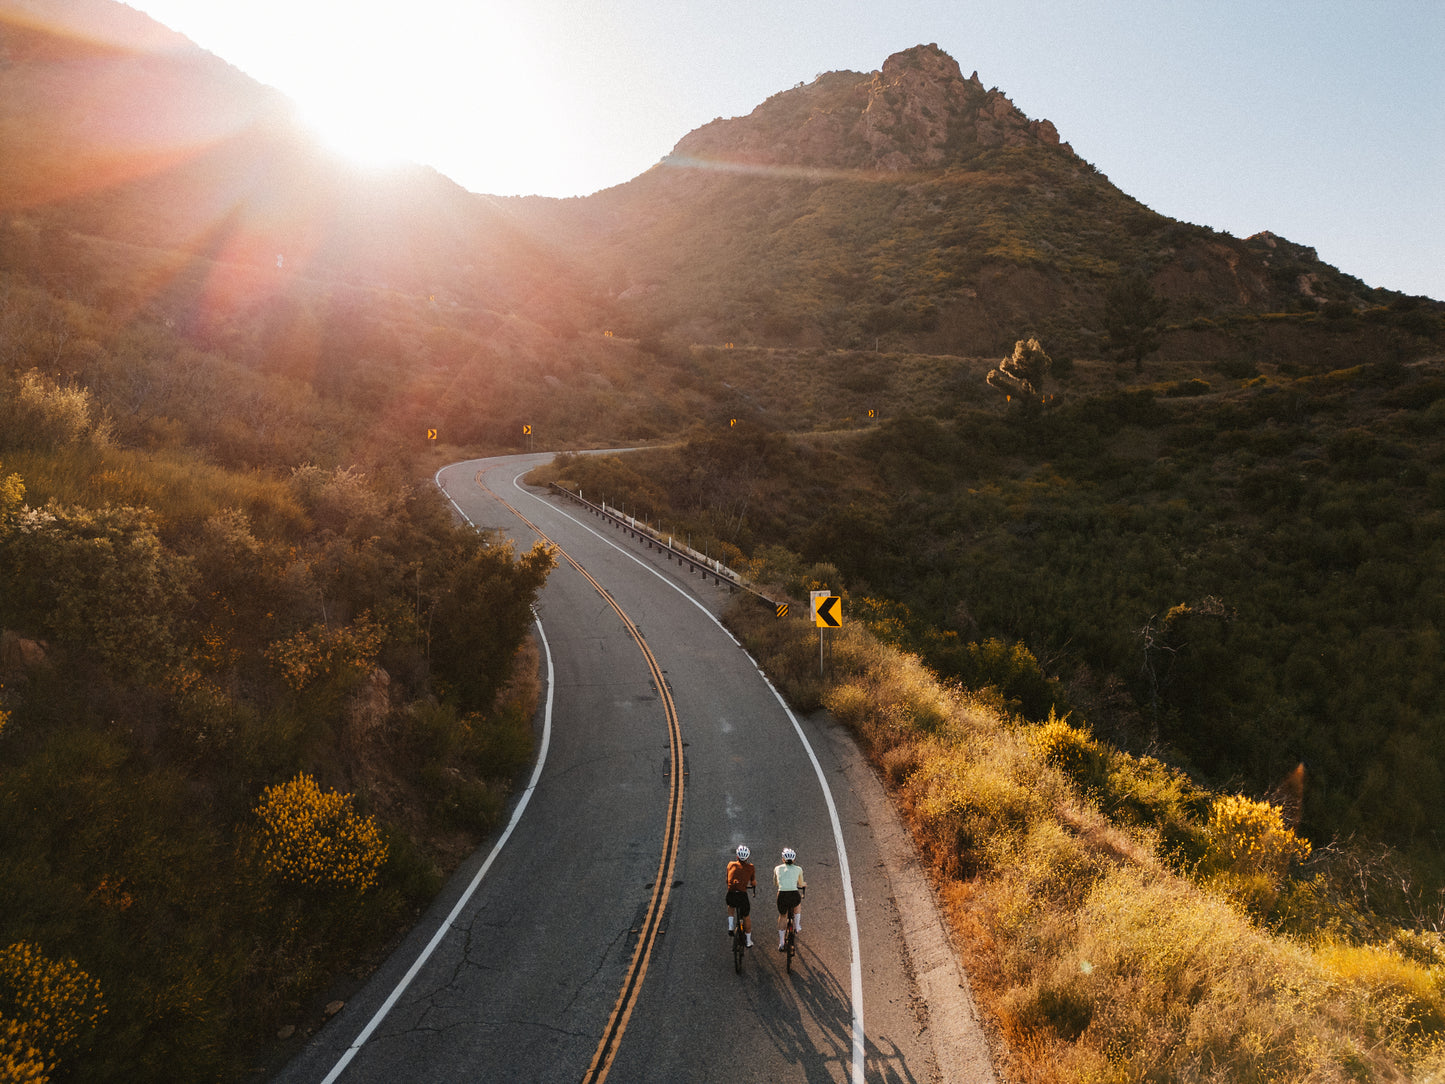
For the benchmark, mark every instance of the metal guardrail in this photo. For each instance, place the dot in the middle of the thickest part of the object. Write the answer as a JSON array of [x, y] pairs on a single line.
[[642, 532]]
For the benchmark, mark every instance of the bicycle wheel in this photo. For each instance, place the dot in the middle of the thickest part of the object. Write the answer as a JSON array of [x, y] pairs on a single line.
[[790, 944], [739, 947]]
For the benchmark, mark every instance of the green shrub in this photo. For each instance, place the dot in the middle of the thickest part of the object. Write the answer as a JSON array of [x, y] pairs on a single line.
[[1015, 673], [100, 582], [460, 802], [1144, 792], [323, 653], [35, 412], [499, 745]]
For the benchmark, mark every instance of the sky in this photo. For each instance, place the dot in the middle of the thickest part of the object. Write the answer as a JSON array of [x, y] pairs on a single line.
[[1321, 121]]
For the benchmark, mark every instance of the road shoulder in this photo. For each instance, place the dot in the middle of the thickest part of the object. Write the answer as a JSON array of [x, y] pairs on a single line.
[[961, 1044]]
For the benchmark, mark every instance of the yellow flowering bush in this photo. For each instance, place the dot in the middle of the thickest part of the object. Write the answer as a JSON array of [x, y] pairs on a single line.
[[1248, 837], [47, 1009], [1073, 751], [317, 839], [20, 1062]]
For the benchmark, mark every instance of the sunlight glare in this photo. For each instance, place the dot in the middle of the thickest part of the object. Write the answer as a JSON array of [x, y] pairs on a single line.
[[354, 135], [489, 93]]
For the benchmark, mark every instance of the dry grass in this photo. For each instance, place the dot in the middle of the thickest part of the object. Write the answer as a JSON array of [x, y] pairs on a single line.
[[1095, 958]]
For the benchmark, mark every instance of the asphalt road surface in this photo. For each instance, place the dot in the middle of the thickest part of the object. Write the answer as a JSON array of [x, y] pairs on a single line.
[[591, 943]]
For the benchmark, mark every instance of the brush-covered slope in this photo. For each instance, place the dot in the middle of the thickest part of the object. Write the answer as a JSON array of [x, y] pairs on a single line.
[[117, 132], [909, 208]]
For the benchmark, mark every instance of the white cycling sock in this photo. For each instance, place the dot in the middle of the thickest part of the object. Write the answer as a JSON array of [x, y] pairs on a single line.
[[798, 921], [732, 922]]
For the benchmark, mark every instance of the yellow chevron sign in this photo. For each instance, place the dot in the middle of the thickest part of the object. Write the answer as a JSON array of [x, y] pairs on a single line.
[[827, 610]]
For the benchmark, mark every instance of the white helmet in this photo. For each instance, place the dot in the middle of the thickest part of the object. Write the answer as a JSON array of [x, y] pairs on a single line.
[[743, 853], [789, 854]]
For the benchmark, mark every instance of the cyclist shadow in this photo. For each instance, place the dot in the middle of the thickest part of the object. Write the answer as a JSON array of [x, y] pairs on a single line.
[[808, 1015]]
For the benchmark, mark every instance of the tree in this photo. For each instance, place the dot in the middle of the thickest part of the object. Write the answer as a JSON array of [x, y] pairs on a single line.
[[482, 614], [1022, 374], [1132, 313]]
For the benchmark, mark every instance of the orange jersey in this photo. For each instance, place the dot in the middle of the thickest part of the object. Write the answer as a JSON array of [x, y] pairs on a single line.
[[741, 876]]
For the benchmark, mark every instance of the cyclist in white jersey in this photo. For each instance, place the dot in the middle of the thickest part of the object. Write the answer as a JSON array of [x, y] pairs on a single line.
[[788, 876]]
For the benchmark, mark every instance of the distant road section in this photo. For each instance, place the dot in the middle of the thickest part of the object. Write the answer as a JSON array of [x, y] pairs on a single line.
[[667, 749]]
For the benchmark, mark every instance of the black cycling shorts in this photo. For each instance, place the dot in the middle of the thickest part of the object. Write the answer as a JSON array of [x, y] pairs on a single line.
[[788, 900], [739, 899]]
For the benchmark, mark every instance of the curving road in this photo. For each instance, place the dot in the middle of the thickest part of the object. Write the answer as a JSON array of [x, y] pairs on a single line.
[[561, 955]]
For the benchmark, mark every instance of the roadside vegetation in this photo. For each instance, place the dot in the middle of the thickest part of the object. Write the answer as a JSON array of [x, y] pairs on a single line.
[[1153, 671], [1120, 922], [250, 714], [1239, 582]]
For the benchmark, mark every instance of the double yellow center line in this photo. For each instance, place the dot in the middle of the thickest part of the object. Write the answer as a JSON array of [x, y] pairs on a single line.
[[667, 864]]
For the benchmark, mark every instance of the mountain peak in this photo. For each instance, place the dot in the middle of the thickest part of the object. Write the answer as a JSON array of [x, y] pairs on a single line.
[[917, 112]]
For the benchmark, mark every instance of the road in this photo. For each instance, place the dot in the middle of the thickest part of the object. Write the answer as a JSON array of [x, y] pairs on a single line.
[[569, 958]]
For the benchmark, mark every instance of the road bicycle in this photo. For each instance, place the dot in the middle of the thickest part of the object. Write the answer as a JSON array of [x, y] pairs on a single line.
[[790, 938]]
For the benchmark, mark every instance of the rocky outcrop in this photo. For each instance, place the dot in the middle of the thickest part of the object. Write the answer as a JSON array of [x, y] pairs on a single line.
[[1000, 123], [917, 112], [19, 655], [914, 108], [922, 112]]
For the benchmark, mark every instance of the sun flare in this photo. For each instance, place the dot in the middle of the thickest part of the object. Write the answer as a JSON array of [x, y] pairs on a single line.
[[354, 134]]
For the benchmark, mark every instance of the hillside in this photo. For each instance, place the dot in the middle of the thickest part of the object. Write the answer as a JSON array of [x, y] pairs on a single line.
[[908, 209]]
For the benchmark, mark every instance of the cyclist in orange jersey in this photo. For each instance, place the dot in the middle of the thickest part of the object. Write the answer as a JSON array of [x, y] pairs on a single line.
[[741, 876]]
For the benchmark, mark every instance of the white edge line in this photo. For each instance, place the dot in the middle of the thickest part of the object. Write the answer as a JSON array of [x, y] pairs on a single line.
[[445, 927], [437, 478], [849, 906]]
